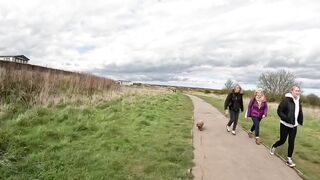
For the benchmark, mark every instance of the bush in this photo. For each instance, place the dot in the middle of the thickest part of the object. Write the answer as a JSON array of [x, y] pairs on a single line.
[[312, 99], [248, 93]]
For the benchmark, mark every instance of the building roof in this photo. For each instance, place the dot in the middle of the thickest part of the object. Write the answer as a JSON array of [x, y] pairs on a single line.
[[18, 56]]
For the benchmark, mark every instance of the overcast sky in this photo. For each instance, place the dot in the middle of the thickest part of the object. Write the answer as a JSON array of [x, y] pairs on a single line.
[[179, 42]]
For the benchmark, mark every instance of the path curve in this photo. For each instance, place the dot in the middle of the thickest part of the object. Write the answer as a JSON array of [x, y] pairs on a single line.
[[221, 155]]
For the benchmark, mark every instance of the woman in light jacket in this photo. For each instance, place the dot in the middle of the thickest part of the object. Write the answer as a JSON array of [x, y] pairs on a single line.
[[257, 110]]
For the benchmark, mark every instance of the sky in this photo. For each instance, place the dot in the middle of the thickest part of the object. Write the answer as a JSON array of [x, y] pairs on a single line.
[[197, 43]]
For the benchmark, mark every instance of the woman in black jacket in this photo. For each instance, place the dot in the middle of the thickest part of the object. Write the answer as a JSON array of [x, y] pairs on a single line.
[[233, 104], [290, 113]]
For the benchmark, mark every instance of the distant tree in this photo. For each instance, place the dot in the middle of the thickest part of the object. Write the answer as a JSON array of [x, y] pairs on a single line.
[[276, 84], [229, 84], [313, 100]]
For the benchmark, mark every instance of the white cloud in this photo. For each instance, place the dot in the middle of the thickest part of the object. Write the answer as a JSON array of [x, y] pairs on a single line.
[[183, 41]]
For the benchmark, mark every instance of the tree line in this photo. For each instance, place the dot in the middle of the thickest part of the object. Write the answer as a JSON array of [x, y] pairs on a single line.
[[276, 84]]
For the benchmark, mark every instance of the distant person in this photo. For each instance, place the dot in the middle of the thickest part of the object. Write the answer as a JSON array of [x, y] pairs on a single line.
[[257, 109], [290, 113], [233, 105]]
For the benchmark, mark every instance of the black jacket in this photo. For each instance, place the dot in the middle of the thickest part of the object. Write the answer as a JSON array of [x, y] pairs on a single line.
[[286, 111], [234, 102]]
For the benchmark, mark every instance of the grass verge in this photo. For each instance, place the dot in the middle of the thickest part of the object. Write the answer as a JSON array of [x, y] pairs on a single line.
[[137, 137]]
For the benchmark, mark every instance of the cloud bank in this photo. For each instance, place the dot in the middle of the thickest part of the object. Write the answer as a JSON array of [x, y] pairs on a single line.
[[194, 43]]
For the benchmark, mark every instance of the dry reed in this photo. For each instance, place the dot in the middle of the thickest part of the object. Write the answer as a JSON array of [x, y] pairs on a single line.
[[29, 85]]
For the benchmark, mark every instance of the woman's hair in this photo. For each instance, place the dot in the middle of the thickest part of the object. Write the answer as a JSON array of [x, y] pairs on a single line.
[[257, 91], [294, 86], [235, 86]]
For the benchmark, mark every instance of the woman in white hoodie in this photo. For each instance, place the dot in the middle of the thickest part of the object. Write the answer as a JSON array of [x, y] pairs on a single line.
[[290, 113]]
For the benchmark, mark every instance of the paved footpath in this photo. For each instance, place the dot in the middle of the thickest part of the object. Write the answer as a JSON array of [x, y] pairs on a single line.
[[220, 155]]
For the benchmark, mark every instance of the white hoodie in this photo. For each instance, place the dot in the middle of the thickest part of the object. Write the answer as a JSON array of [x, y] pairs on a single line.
[[296, 111]]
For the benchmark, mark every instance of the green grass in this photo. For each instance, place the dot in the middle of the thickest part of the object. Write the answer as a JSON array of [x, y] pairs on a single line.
[[307, 146], [140, 137]]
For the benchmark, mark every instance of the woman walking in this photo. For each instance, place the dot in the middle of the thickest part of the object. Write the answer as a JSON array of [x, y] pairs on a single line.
[[290, 113], [257, 109], [233, 104]]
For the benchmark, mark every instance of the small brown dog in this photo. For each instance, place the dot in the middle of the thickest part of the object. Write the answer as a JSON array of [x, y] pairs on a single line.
[[200, 125]]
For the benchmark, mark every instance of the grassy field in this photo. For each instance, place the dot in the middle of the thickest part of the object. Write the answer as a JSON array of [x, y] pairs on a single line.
[[136, 137], [307, 146]]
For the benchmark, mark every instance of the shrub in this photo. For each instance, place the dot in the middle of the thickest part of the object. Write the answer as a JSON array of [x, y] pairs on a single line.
[[313, 100]]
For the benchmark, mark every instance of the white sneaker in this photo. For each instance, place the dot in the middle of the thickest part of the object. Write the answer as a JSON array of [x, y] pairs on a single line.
[[233, 132], [290, 163], [272, 150], [228, 128]]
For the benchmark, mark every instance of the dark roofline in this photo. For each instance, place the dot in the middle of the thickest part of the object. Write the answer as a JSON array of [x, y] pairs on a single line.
[[18, 56]]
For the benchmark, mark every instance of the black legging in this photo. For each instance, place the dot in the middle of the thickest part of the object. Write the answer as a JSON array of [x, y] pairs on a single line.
[[234, 115], [284, 132]]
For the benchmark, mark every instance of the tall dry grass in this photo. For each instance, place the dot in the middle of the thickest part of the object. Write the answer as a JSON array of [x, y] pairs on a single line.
[[29, 85]]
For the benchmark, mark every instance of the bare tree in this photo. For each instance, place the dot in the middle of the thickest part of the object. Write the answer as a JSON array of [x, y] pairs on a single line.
[[229, 84], [277, 83]]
